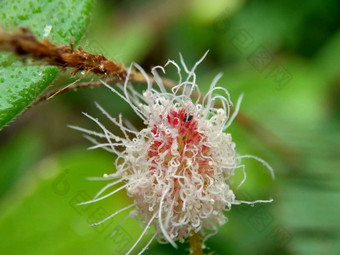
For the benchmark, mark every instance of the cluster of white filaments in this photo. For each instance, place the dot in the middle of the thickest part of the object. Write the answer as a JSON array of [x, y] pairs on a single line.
[[177, 168]]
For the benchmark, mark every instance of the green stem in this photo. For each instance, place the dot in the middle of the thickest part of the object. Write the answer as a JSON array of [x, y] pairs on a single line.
[[195, 245]]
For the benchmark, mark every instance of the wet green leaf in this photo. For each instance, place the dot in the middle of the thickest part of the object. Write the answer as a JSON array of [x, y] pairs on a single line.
[[60, 21]]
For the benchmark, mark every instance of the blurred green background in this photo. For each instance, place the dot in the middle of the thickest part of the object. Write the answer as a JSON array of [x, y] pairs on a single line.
[[284, 56]]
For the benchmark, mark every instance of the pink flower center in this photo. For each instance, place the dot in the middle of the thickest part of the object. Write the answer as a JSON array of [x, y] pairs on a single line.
[[191, 151]]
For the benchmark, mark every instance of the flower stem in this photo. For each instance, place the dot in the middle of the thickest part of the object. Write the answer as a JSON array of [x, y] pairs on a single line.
[[195, 245]]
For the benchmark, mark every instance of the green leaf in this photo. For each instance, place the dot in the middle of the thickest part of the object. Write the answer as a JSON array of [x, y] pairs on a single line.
[[41, 215], [18, 155], [20, 85]]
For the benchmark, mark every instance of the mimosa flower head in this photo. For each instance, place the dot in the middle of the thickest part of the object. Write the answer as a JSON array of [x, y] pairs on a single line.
[[177, 168]]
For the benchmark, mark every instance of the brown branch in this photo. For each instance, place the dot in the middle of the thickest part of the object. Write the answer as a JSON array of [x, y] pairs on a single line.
[[286, 152], [24, 44]]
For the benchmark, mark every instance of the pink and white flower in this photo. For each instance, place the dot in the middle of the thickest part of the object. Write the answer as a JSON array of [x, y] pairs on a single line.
[[177, 168]]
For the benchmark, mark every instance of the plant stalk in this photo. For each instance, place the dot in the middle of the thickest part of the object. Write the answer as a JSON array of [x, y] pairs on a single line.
[[195, 245]]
